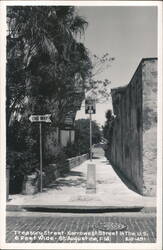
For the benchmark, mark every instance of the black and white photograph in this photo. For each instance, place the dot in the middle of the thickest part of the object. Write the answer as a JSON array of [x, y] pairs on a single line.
[[81, 125]]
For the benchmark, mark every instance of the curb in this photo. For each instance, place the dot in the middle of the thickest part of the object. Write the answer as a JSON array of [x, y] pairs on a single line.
[[79, 209]]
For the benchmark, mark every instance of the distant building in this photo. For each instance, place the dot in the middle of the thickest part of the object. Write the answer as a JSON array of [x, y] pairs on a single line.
[[134, 139], [64, 133]]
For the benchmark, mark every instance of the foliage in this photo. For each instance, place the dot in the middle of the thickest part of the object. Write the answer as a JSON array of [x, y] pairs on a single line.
[[22, 152], [108, 127], [21, 164], [82, 135], [59, 157], [71, 150], [108, 132], [98, 89], [46, 64], [44, 58], [81, 144]]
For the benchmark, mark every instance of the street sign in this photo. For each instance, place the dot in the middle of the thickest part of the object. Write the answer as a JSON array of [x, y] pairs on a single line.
[[68, 121], [90, 107], [40, 118]]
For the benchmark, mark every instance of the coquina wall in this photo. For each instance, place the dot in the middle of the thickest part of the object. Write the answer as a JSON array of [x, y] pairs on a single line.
[[134, 145]]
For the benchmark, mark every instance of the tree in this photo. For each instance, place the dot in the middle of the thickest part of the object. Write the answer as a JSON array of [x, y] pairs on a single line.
[[98, 89], [108, 127], [43, 60], [82, 134], [46, 66], [108, 131], [46, 57]]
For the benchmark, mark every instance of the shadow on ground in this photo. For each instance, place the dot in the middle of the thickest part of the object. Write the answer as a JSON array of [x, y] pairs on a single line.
[[62, 182], [74, 173], [106, 162]]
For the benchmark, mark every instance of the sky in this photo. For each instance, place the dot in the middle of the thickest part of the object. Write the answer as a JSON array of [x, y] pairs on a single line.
[[126, 33]]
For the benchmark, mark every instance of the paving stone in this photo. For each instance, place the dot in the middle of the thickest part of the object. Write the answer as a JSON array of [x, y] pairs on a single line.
[[79, 229]]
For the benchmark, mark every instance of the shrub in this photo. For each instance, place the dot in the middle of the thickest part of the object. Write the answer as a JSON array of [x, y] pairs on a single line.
[[21, 164], [71, 150], [59, 158]]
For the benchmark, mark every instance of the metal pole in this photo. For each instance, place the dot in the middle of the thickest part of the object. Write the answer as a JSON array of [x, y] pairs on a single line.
[[90, 137], [40, 157]]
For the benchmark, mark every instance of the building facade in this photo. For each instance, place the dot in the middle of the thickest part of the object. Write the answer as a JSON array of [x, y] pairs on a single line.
[[134, 139]]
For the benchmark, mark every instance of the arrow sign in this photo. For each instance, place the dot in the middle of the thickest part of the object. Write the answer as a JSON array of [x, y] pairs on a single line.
[[40, 118]]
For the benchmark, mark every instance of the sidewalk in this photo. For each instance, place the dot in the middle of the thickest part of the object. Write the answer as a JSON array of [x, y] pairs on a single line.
[[70, 191]]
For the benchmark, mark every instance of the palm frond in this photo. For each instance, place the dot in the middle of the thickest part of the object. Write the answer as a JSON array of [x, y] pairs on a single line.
[[79, 25]]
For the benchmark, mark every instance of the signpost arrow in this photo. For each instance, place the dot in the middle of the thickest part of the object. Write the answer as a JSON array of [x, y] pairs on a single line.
[[40, 119]]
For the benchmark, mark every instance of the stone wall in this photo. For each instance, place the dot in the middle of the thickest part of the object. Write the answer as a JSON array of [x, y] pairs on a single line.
[[31, 184], [53, 171], [149, 78], [133, 145], [77, 160]]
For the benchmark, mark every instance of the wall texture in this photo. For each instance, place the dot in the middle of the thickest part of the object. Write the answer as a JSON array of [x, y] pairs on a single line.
[[149, 78], [133, 146]]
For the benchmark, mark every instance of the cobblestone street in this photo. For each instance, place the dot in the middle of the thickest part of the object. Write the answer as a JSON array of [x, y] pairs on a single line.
[[79, 228]]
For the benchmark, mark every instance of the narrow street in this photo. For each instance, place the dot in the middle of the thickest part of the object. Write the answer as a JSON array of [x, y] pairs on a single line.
[[70, 190], [39, 222]]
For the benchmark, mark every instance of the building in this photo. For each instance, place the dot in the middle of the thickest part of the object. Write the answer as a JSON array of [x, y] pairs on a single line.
[[134, 140]]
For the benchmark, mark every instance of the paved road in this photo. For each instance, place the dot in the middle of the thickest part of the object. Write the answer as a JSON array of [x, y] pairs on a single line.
[[75, 228]]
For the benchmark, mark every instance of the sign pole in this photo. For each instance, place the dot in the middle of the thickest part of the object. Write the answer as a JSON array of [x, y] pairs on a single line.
[[40, 157], [40, 119], [91, 167], [90, 136]]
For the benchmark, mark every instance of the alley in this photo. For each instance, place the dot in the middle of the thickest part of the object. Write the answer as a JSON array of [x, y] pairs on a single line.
[[65, 213], [70, 190]]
